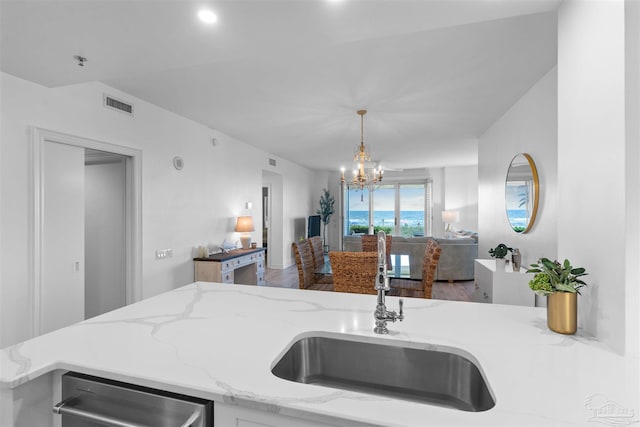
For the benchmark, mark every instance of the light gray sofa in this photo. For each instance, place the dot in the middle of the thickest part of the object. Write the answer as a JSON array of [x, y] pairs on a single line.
[[456, 257]]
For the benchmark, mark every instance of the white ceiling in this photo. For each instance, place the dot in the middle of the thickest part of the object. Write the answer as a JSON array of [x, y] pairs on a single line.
[[288, 76]]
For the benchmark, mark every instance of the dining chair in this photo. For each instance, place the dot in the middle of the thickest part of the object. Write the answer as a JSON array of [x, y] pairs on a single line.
[[431, 258], [424, 287], [316, 251], [304, 261], [354, 272], [370, 244]]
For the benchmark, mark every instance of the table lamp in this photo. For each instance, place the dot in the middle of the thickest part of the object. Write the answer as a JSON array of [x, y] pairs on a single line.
[[245, 226], [448, 217]]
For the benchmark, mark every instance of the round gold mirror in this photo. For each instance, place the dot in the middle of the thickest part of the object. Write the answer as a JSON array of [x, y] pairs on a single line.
[[521, 193]]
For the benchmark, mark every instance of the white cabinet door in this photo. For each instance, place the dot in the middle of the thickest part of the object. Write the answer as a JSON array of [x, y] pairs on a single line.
[[502, 285], [483, 282], [62, 284], [235, 416]]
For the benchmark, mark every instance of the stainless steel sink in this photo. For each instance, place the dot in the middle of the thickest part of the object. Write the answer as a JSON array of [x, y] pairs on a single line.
[[436, 376]]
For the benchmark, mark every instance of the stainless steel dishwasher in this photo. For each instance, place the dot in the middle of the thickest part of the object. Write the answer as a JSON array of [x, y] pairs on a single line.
[[90, 401]]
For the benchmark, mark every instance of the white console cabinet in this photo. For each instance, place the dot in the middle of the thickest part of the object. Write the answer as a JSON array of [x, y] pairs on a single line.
[[502, 286]]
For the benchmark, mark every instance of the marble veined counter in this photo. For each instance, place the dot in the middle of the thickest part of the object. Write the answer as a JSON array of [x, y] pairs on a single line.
[[219, 342]]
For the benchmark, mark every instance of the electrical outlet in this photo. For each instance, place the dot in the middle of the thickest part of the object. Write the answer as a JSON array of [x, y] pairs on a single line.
[[164, 253]]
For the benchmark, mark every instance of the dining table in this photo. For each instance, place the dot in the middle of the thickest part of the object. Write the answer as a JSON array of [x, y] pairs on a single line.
[[400, 267]]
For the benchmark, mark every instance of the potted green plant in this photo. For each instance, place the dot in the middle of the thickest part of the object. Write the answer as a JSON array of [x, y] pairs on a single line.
[[560, 283], [327, 209], [499, 252]]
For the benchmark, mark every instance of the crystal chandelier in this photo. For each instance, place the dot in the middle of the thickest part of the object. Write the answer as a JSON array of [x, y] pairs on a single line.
[[365, 174]]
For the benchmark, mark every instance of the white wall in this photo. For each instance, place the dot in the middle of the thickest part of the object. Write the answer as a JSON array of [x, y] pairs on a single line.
[[461, 194], [331, 181], [437, 177], [296, 199], [334, 229], [597, 89], [180, 209], [529, 126], [632, 225], [299, 201], [591, 151]]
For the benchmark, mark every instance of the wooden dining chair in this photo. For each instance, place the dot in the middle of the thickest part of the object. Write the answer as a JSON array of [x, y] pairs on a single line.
[[316, 251], [422, 288], [304, 262], [431, 258], [370, 244], [354, 272]]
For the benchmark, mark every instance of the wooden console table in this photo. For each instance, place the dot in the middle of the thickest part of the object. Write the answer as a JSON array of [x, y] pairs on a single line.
[[243, 266]]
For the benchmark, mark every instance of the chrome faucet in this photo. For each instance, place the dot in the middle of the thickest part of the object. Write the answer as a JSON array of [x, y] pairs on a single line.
[[382, 285]]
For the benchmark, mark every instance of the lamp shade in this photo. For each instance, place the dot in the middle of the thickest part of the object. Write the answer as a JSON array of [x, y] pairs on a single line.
[[245, 224], [450, 216]]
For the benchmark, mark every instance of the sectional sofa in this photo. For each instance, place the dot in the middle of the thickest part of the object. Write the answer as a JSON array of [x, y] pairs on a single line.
[[456, 258]]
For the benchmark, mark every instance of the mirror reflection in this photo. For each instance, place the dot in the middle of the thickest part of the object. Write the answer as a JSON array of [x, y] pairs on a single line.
[[521, 193]]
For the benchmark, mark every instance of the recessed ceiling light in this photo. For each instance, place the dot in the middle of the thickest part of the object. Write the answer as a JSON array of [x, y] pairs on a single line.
[[207, 16]]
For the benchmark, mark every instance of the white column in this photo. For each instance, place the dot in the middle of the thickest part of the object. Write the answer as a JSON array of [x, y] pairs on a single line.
[[591, 166]]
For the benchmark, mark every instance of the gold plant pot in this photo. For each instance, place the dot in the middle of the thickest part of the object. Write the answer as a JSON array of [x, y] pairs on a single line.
[[562, 312]]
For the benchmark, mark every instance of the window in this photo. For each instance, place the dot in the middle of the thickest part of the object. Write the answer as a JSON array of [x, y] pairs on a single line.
[[384, 211], [412, 210], [357, 211], [401, 209]]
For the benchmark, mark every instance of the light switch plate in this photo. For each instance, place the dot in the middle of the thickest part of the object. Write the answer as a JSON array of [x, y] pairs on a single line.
[[164, 253]]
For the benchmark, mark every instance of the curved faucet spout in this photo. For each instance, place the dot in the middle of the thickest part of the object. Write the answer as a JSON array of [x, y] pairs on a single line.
[[382, 248], [382, 280], [381, 314]]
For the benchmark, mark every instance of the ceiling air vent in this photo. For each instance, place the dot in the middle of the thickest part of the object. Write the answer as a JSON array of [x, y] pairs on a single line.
[[272, 162], [116, 104]]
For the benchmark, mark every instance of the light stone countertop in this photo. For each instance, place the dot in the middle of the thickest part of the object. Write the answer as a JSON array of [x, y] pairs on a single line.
[[219, 342]]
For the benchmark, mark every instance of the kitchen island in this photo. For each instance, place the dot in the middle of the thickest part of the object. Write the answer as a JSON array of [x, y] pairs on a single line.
[[219, 342]]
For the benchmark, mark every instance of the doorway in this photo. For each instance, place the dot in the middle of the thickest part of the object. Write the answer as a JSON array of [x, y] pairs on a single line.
[[274, 210], [265, 217], [71, 239], [104, 232]]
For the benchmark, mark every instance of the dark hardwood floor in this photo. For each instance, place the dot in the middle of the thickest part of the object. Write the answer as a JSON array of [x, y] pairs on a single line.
[[454, 291]]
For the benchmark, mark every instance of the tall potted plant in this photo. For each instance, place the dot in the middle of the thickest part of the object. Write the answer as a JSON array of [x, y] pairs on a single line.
[[327, 209], [561, 284]]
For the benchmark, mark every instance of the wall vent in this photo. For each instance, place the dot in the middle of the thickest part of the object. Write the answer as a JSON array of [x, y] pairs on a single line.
[[116, 104], [272, 162]]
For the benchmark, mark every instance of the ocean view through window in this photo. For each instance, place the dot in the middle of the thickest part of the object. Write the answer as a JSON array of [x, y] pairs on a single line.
[[401, 209]]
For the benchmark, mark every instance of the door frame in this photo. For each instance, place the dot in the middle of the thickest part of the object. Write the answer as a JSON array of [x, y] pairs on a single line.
[[133, 215]]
